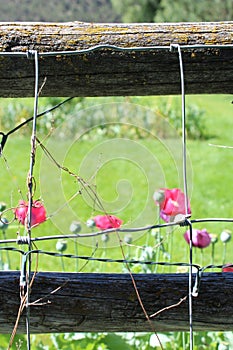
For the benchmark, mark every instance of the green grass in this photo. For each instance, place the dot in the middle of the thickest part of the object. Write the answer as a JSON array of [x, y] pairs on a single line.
[[125, 173]]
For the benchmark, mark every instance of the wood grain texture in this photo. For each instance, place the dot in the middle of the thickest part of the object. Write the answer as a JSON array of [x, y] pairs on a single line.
[[108, 72], [108, 302]]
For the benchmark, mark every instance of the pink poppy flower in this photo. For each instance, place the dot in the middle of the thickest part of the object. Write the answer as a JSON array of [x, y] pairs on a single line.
[[103, 222], [200, 238], [38, 213], [171, 203], [228, 268]]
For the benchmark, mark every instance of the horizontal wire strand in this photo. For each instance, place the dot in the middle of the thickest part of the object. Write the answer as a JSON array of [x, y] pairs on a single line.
[[20, 240], [119, 261], [117, 48]]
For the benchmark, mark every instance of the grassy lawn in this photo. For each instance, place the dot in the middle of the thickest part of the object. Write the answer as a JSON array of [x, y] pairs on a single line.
[[124, 173]]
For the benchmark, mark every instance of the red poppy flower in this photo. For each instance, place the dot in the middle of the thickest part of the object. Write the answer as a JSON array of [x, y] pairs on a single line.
[[38, 212], [171, 203], [228, 268], [200, 238], [103, 222]]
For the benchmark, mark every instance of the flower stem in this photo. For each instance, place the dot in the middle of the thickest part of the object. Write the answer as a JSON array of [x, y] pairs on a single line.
[[202, 255], [76, 253], [212, 254], [7, 253], [224, 253], [62, 264]]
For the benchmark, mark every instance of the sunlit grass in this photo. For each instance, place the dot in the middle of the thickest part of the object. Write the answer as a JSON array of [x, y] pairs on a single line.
[[125, 184]]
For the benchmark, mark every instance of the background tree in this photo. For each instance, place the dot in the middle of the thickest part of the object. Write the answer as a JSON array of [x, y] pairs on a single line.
[[116, 11], [173, 11], [194, 11], [58, 11], [136, 11]]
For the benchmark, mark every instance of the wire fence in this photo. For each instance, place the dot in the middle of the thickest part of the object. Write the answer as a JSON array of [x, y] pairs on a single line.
[[180, 220]]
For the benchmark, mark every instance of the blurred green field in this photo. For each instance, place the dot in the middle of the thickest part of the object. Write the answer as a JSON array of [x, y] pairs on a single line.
[[124, 173]]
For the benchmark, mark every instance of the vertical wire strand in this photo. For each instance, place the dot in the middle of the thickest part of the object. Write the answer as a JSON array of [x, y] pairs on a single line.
[[184, 152], [190, 286], [184, 157], [30, 192]]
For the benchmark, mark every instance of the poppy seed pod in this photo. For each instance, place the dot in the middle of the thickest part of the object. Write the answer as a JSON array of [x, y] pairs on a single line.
[[75, 227], [90, 223], [61, 245], [225, 236]]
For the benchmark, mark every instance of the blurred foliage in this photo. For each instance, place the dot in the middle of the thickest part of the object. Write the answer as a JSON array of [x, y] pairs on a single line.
[[136, 11], [174, 11], [113, 119], [116, 11], [194, 117], [16, 111], [123, 341], [194, 11], [57, 11]]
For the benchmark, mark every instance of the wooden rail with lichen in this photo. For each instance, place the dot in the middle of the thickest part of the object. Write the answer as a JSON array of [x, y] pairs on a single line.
[[108, 72], [82, 302]]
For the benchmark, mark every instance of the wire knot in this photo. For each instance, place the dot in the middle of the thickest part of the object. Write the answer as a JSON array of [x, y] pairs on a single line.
[[31, 54], [23, 240], [182, 220], [196, 287], [174, 47]]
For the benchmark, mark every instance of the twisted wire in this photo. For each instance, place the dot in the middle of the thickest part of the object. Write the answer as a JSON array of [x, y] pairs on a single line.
[[118, 261], [24, 240]]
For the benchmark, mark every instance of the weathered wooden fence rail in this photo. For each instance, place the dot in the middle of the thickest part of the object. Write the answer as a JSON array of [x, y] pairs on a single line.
[[109, 72], [108, 302]]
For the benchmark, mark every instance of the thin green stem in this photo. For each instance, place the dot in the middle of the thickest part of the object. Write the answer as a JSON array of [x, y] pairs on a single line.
[[224, 253], [62, 264], [76, 253]]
